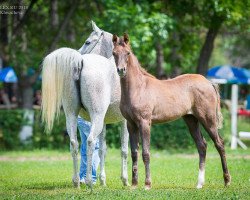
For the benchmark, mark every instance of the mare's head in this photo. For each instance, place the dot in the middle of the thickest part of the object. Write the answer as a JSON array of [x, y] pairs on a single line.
[[121, 53], [99, 42]]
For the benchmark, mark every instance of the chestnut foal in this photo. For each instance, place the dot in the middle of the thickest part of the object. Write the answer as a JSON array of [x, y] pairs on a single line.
[[146, 100]]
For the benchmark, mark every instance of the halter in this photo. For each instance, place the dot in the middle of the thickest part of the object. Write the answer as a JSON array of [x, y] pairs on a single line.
[[96, 42]]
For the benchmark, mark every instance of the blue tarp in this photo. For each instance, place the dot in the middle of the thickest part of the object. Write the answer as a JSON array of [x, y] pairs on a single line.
[[8, 75], [230, 73]]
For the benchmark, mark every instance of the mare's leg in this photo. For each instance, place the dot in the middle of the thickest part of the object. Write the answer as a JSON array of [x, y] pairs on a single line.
[[97, 122], [193, 126], [124, 153], [102, 154], [71, 122], [134, 145], [210, 124], [145, 137], [71, 109]]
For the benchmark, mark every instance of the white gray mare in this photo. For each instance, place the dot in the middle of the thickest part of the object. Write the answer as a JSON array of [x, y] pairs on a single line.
[[65, 72]]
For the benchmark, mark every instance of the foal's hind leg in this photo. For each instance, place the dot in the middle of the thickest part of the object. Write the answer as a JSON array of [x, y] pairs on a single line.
[[201, 145], [145, 137], [211, 127]]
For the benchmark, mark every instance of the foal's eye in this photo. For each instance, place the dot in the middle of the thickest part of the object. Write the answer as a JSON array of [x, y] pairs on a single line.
[[87, 42], [128, 53]]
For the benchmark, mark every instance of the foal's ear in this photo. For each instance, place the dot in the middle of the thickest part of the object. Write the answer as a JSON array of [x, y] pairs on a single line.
[[126, 38], [115, 39]]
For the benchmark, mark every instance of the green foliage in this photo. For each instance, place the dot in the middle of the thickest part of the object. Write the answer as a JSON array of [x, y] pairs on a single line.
[[11, 122], [173, 135], [47, 175], [169, 136], [57, 139], [10, 125], [143, 21]]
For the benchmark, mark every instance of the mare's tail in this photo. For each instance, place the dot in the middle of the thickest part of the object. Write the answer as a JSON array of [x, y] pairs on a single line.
[[57, 72]]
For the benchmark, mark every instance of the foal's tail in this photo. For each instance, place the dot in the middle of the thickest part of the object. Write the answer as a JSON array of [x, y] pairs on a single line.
[[219, 115], [57, 73]]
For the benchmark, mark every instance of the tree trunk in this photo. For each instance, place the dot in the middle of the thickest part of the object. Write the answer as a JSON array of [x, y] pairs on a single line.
[[27, 96], [63, 26], [4, 30], [54, 19], [26, 92], [71, 34], [207, 50], [175, 58], [159, 61], [4, 38]]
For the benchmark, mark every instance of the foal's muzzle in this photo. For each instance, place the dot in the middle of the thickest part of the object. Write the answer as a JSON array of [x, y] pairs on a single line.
[[121, 71]]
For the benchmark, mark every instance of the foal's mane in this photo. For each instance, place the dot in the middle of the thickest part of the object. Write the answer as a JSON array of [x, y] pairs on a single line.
[[143, 71], [134, 58]]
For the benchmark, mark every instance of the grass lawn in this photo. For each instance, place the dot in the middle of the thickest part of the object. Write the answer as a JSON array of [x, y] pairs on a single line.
[[47, 175]]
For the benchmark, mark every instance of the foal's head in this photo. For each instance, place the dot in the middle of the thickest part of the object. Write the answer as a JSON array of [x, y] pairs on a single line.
[[121, 53]]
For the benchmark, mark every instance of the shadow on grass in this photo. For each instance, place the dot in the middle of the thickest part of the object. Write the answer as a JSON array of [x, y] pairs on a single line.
[[49, 186], [59, 186]]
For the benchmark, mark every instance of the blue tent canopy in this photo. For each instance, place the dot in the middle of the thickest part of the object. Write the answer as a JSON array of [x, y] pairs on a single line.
[[229, 74], [8, 75]]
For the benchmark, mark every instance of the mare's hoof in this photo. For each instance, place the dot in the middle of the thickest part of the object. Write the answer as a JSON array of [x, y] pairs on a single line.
[[125, 181], [126, 184], [199, 186], [102, 180], [89, 184], [76, 182], [103, 183]]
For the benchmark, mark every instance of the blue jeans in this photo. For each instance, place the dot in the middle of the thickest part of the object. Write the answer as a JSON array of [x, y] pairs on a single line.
[[84, 129]]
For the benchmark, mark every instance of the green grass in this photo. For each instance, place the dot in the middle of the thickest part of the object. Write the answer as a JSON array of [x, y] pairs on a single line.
[[47, 175]]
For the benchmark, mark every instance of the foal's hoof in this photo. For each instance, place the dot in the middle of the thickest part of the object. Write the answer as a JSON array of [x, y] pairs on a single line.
[[227, 179], [147, 187], [133, 187]]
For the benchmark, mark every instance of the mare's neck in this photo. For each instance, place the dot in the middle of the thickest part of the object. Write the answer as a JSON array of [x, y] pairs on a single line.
[[134, 77]]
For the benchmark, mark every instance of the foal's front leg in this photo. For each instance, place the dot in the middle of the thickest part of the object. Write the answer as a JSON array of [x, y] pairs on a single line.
[[134, 145], [145, 137]]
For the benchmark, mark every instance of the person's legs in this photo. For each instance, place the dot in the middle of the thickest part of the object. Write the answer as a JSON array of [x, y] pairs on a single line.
[[84, 129]]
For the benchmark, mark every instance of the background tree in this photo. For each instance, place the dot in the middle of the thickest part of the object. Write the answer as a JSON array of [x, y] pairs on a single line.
[[169, 37]]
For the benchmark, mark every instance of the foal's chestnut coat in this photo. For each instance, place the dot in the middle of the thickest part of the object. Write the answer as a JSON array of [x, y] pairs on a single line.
[[146, 100]]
